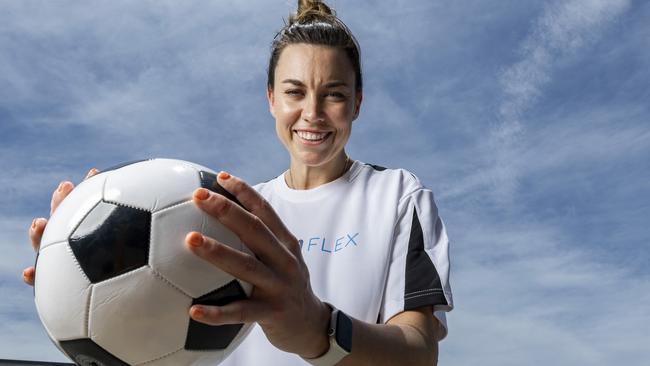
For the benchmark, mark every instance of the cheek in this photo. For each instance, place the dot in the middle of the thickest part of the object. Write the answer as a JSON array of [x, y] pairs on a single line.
[[283, 133], [284, 120], [286, 113], [344, 118]]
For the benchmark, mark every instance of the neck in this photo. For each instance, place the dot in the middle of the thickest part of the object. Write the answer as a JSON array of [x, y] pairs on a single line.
[[301, 176]]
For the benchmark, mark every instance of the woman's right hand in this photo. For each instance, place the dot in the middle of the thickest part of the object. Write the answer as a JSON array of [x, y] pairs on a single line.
[[38, 224]]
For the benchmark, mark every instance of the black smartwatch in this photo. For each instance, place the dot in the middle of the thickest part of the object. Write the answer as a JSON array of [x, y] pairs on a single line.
[[340, 337]]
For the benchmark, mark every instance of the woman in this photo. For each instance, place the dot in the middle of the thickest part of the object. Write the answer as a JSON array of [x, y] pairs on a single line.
[[328, 233]]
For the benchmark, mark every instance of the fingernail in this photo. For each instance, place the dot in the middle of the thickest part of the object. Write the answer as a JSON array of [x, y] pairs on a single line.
[[34, 224], [202, 194], [27, 273], [195, 239], [197, 311], [223, 175], [91, 172], [60, 187]]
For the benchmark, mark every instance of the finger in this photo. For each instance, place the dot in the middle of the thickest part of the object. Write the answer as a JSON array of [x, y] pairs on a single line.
[[232, 261], [59, 194], [257, 205], [237, 312], [29, 275], [248, 227], [36, 232]]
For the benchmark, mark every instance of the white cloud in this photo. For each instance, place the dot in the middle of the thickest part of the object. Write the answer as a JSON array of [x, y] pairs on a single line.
[[563, 29], [526, 294]]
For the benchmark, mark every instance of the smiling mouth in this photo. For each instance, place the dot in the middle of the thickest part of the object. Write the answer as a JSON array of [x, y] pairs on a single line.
[[312, 136]]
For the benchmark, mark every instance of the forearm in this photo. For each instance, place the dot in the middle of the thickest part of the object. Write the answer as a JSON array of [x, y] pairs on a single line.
[[392, 344]]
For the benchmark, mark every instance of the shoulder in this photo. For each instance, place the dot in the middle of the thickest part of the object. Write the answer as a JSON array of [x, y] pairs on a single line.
[[380, 177]]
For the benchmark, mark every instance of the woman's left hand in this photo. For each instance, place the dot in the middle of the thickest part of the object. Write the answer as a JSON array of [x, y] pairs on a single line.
[[282, 302]]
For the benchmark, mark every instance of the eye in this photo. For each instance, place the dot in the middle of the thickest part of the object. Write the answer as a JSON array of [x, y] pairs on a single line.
[[293, 92], [336, 95]]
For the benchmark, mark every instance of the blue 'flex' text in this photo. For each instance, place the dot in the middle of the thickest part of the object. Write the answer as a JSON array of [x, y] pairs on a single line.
[[321, 244]]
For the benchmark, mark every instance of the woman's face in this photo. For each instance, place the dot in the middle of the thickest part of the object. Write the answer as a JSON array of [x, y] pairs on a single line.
[[314, 102]]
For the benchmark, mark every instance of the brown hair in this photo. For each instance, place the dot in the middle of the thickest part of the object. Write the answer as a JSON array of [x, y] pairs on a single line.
[[315, 23]]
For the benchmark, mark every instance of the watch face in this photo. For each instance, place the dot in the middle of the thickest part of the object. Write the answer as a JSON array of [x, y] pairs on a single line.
[[344, 331]]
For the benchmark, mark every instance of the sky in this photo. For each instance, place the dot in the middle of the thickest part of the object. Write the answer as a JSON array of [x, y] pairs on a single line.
[[529, 120]]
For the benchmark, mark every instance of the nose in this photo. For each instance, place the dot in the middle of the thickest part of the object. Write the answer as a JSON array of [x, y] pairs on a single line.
[[312, 110]]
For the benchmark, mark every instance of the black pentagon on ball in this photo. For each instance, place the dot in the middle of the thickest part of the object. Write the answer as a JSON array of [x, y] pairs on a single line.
[[85, 352], [111, 240], [209, 181], [201, 336]]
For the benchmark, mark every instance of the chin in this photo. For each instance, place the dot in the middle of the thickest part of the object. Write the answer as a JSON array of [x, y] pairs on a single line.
[[312, 161]]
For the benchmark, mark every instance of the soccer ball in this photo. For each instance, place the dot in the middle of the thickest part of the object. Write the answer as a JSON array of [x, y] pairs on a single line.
[[114, 281]]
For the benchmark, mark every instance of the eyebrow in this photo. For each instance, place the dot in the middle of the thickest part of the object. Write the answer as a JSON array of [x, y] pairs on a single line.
[[331, 84]]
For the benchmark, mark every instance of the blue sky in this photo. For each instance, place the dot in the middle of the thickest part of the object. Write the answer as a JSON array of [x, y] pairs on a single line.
[[529, 119]]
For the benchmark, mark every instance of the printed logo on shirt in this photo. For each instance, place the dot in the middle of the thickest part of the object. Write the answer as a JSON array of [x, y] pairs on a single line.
[[326, 245]]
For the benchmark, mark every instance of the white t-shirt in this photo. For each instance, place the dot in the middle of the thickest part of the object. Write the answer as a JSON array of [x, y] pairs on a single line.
[[374, 245]]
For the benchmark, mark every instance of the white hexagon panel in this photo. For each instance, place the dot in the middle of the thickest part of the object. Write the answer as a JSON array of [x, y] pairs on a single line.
[[72, 210], [168, 182], [61, 293], [156, 322], [170, 257]]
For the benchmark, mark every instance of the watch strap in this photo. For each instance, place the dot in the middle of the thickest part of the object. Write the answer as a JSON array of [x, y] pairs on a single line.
[[340, 339]]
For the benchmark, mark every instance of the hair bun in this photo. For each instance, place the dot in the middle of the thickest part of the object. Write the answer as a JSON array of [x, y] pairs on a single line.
[[310, 11]]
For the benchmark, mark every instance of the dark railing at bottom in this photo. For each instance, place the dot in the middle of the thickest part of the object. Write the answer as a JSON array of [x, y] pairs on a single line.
[[34, 363]]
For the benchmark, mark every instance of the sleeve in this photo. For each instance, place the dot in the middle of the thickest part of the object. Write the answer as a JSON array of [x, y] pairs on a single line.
[[418, 273]]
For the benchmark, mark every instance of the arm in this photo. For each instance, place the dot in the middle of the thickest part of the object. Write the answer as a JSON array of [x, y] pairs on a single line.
[[409, 338]]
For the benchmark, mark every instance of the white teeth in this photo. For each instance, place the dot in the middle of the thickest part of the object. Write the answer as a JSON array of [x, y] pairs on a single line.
[[311, 136]]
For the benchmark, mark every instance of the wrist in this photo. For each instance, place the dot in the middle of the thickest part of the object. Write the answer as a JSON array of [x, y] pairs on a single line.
[[319, 343]]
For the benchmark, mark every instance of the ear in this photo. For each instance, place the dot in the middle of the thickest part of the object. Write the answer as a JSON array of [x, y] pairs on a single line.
[[271, 99], [358, 98]]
